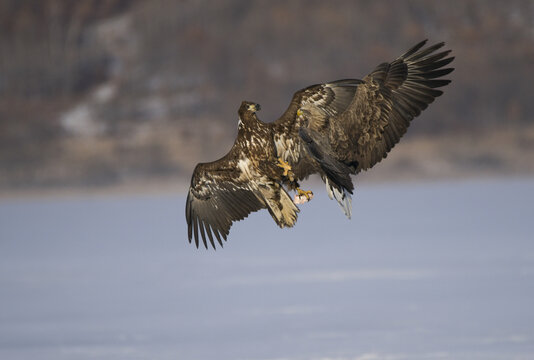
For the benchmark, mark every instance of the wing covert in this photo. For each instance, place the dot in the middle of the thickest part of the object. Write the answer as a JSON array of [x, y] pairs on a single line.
[[319, 102]]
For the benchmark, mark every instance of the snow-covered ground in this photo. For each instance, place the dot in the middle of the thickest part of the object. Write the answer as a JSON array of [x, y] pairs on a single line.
[[422, 271]]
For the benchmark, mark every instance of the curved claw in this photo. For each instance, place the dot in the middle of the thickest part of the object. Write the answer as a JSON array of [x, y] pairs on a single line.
[[303, 196], [287, 169]]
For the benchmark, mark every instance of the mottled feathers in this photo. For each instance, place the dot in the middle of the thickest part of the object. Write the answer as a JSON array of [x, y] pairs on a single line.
[[335, 129]]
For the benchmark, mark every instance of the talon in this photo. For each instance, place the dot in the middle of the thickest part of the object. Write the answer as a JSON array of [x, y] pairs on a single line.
[[303, 196], [287, 168], [284, 165]]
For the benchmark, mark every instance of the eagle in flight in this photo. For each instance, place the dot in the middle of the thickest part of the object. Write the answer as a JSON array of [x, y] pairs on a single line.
[[336, 130]]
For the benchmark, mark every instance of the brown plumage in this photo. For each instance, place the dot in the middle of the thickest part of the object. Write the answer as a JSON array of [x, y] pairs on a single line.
[[335, 129]]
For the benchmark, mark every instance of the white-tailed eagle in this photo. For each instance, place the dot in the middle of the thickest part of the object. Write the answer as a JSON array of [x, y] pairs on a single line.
[[335, 130]]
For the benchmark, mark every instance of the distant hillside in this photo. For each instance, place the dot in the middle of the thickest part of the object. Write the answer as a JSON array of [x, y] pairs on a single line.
[[104, 91]]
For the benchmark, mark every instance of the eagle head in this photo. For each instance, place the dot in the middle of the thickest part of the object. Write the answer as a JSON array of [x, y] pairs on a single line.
[[247, 111], [249, 106]]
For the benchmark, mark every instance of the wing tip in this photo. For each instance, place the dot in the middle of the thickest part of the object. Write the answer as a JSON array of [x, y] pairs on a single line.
[[428, 53], [414, 49]]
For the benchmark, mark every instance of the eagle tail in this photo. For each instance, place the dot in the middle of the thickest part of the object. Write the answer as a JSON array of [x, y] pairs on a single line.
[[343, 197], [280, 205]]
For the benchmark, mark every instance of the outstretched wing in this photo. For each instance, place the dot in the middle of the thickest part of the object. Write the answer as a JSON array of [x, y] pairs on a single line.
[[216, 199], [340, 128], [385, 103]]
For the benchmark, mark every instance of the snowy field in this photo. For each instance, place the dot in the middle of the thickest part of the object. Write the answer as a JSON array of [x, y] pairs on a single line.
[[422, 271]]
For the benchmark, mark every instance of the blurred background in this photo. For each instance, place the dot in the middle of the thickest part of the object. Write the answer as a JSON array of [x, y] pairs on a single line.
[[106, 92], [107, 105]]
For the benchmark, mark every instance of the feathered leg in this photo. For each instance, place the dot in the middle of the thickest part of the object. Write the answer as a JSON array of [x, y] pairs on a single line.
[[302, 196]]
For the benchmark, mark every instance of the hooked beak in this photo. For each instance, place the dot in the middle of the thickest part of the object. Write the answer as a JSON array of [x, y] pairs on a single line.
[[254, 107]]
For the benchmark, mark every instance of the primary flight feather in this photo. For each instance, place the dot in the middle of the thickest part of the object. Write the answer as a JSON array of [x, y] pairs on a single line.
[[336, 130]]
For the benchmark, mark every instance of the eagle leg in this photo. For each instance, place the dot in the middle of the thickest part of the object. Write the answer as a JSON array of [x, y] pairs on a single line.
[[287, 169], [302, 196]]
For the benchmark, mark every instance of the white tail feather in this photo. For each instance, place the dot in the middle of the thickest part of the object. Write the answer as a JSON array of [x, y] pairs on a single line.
[[343, 198]]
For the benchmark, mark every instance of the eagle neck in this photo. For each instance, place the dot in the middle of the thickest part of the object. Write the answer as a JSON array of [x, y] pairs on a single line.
[[250, 123]]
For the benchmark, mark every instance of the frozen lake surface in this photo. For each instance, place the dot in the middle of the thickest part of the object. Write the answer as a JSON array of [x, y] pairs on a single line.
[[422, 271]]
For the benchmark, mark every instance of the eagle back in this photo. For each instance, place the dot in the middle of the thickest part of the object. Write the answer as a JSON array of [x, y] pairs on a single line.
[[255, 141]]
